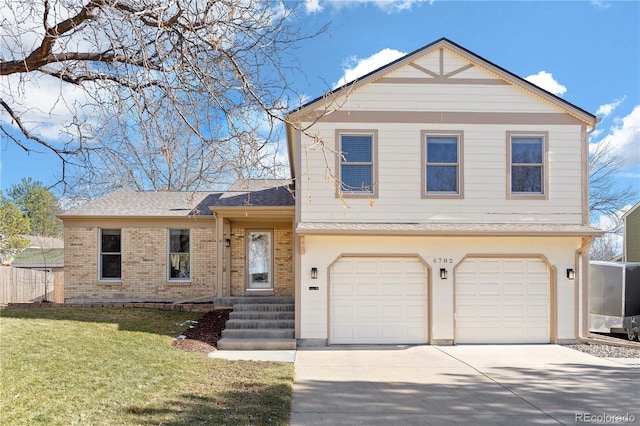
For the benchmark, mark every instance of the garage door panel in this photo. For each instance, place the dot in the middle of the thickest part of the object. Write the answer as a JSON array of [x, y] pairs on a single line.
[[342, 288], [414, 289], [489, 288], [502, 301], [390, 289], [367, 289], [388, 297], [415, 312], [517, 267]]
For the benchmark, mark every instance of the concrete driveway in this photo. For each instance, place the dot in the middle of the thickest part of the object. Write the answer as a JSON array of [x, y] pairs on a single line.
[[461, 385]]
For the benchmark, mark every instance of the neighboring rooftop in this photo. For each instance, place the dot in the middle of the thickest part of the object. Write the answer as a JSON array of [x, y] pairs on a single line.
[[38, 258], [37, 241]]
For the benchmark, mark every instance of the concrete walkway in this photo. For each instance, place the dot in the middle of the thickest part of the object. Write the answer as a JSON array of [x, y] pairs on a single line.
[[461, 385]]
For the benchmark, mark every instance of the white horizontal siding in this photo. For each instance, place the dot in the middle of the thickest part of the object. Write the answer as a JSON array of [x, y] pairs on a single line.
[[443, 97], [322, 251], [485, 164]]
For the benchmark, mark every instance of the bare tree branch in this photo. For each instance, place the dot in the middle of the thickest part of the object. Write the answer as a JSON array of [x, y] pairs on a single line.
[[153, 94]]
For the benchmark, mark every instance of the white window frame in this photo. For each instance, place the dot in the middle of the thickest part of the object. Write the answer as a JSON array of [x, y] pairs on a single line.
[[101, 254], [459, 135], [169, 253], [544, 166], [354, 192]]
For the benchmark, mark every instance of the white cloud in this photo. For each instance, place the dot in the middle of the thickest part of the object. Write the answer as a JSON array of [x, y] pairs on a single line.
[[600, 4], [546, 81], [312, 6], [357, 68], [388, 6], [44, 104], [624, 138], [606, 109], [609, 223]]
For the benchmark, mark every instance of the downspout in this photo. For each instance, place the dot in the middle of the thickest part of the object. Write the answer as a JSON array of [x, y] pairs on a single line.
[[582, 293]]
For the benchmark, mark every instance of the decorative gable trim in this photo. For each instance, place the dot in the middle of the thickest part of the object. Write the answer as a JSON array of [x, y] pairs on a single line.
[[446, 45]]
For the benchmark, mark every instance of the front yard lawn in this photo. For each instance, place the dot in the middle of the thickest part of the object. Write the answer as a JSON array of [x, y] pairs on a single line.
[[116, 366]]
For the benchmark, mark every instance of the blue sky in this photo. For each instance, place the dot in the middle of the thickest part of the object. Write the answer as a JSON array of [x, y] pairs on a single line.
[[587, 52]]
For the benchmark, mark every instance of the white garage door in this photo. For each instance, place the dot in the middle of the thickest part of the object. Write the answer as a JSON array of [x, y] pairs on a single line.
[[378, 300], [502, 301]]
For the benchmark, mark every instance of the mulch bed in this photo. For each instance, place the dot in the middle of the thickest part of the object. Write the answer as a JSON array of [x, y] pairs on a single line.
[[203, 335]]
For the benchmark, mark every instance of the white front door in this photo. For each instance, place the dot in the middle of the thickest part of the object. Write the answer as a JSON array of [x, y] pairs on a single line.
[[259, 259]]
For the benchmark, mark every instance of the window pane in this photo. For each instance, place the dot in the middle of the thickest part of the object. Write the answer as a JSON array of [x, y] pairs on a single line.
[[442, 179], [180, 267], [526, 179], [357, 148], [442, 149], [526, 150], [179, 240], [111, 266], [110, 241], [356, 178]]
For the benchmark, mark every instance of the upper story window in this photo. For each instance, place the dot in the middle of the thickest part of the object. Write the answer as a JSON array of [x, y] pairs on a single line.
[[357, 162], [527, 164], [442, 164], [110, 254], [179, 255]]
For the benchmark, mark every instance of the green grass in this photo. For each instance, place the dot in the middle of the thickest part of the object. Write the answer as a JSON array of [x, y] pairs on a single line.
[[116, 366]]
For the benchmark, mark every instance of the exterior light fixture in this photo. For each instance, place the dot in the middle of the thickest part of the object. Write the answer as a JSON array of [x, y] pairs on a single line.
[[227, 242], [314, 273], [443, 274], [571, 274]]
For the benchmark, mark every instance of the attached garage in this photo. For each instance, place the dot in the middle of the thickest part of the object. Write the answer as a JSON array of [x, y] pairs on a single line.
[[502, 300], [378, 300]]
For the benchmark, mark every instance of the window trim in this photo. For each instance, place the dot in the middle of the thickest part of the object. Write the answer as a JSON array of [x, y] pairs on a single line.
[[544, 135], [100, 253], [459, 194], [169, 253], [340, 193]]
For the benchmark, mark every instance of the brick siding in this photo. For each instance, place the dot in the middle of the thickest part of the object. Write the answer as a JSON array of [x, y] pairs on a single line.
[[144, 264], [282, 262]]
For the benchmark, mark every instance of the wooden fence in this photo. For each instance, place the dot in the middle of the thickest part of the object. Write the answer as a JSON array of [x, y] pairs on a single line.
[[19, 285]]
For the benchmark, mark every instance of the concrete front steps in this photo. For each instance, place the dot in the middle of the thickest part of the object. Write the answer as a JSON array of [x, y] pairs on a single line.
[[259, 323]]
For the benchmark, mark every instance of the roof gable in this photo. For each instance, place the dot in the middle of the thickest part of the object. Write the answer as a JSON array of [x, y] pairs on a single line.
[[421, 63]]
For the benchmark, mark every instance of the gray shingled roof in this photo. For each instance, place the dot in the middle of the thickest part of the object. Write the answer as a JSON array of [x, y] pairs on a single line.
[[446, 229], [257, 192], [243, 193], [145, 203]]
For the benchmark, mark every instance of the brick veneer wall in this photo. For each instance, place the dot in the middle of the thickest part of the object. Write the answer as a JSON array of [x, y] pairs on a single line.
[[283, 259], [144, 264]]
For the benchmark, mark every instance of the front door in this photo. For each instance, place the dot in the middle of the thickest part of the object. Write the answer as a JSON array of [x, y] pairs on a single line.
[[259, 259]]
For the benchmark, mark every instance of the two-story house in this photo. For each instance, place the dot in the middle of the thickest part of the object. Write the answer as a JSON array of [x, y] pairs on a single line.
[[439, 199], [459, 210]]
